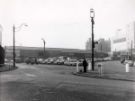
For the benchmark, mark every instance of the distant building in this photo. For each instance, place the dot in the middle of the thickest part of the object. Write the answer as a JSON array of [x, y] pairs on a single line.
[[24, 52], [124, 40], [102, 46], [37, 52], [88, 44]]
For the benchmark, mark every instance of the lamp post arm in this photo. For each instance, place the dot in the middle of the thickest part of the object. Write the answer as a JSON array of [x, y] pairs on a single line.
[[19, 27]]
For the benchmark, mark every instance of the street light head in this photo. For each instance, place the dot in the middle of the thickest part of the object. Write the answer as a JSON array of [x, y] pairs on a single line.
[[43, 39], [26, 25], [92, 13]]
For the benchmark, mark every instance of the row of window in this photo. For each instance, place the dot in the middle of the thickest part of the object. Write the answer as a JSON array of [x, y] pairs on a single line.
[[119, 40]]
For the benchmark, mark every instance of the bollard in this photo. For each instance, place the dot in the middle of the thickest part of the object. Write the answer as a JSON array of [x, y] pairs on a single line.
[[127, 68], [77, 66], [89, 66], [100, 69]]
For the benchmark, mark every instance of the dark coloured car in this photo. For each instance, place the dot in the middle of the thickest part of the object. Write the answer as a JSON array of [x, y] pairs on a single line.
[[31, 61]]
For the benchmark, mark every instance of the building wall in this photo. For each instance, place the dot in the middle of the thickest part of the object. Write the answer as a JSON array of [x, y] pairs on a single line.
[[36, 52], [88, 44], [102, 46], [124, 39], [130, 30], [119, 41], [9, 53]]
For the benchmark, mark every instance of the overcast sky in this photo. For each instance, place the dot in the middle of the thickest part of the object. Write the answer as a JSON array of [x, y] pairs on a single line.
[[63, 23]]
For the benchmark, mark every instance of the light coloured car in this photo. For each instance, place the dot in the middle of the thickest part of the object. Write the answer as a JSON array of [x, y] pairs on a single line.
[[73, 62], [107, 59], [40, 60], [67, 63]]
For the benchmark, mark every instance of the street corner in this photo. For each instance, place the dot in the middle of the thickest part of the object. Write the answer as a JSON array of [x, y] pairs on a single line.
[[7, 67], [88, 74]]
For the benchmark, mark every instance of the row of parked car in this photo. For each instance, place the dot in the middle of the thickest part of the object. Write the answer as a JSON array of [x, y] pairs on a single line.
[[61, 61], [56, 61]]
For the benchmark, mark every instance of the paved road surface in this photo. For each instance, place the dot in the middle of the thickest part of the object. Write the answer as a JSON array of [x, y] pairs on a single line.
[[47, 83]]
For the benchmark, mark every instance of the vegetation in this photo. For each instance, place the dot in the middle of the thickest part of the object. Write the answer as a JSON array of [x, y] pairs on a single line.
[[2, 55]]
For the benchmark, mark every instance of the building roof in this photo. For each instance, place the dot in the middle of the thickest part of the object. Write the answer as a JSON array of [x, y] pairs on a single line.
[[51, 49]]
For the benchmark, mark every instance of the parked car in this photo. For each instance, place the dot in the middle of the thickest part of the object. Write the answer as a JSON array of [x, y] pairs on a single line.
[[18, 60], [45, 61], [130, 62], [40, 61], [107, 59], [73, 62], [50, 60], [67, 63], [59, 61], [31, 60]]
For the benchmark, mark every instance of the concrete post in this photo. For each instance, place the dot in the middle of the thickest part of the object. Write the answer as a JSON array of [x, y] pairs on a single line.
[[89, 66], [100, 69], [77, 66], [127, 67]]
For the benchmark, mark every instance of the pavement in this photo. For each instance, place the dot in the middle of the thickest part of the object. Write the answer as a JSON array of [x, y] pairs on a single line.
[[112, 75], [7, 67]]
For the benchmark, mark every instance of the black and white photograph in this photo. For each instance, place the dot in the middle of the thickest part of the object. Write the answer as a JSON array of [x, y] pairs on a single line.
[[67, 50]]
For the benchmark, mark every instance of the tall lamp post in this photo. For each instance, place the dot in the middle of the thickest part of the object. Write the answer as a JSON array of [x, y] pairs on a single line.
[[131, 49], [44, 46], [15, 29], [92, 15]]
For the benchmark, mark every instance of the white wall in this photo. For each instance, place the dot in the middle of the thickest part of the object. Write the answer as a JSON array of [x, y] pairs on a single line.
[[127, 32]]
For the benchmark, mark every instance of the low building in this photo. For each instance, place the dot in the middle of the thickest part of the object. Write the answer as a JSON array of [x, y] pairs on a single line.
[[38, 52]]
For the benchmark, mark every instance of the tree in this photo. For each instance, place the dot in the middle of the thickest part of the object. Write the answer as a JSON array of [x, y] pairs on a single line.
[[2, 55]]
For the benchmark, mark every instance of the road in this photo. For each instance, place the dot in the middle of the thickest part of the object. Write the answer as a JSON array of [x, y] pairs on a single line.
[[56, 83]]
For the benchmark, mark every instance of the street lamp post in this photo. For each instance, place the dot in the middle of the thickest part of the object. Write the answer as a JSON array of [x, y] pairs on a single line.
[[14, 30], [13, 45], [92, 15], [131, 49], [44, 46]]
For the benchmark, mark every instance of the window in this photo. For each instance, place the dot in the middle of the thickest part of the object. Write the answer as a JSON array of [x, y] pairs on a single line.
[[119, 40]]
